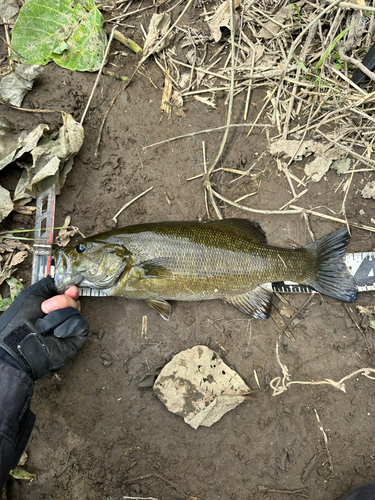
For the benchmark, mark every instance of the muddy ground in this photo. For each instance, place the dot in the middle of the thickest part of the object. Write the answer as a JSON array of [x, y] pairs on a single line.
[[118, 438]]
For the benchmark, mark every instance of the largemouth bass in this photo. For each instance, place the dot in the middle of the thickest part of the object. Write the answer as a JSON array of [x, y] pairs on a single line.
[[226, 259]]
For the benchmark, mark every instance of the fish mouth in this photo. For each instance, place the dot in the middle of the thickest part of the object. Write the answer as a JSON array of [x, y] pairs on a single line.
[[63, 275], [66, 276]]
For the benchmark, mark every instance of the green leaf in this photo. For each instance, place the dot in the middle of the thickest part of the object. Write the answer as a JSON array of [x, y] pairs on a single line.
[[372, 324], [327, 52], [19, 473], [15, 287], [298, 12], [68, 32]]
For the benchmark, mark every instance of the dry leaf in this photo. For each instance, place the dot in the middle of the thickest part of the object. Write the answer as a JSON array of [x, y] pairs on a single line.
[[25, 210], [205, 100], [221, 19], [366, 310], [14, 144], [22, 461], [369, 190], [18, 258], [283, 16], [6, 204], [8, 245], [167, 94], [15, 85], [287, 311], [199, 386], [52, 161], [293, 148], [64, 236], [9, 11], [158, 28], [317, 168], [177, 100]]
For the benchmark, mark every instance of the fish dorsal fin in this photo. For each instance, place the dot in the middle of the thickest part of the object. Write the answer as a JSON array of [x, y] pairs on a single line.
[[250, 229], [154, 268], [257, 303], [161, 306]]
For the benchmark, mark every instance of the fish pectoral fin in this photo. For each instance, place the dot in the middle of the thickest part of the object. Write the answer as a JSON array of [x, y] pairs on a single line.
[[155, 268], [161, 306], [257, 302]]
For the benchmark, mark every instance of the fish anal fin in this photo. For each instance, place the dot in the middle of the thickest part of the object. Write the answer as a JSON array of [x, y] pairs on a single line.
[[257, 303], [161, 306], [154, 268], [247, 228]]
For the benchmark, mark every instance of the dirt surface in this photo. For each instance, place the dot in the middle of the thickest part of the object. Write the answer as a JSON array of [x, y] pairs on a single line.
[[100, 434]]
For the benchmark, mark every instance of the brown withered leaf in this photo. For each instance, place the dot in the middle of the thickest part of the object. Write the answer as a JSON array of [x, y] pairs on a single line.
[[17, 258], [199, 386], [9, 245], [6, 204], [159, 26], [221, 19], [66, 234], [25, 210]]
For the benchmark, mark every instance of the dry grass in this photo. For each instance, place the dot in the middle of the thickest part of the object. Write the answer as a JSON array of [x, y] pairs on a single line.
[[302, 55]]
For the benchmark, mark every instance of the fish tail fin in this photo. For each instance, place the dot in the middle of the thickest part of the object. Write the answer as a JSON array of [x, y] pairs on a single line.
[[332, 276]]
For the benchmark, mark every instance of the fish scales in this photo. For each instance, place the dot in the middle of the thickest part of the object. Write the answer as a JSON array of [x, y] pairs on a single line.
[[227, 259], [207, 262]]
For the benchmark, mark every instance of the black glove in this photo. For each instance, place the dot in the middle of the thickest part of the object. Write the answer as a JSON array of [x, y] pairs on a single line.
[[41, 343]]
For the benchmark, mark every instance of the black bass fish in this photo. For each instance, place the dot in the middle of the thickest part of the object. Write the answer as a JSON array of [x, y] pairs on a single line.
[[225, 259]]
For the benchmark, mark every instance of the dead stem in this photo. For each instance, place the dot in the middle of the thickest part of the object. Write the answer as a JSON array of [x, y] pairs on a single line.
[[114, 218], [206, 131], [325, 437], [335, 219], [99, 73]]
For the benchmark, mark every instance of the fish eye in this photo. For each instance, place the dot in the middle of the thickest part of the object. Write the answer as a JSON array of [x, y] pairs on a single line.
[[80, 247]]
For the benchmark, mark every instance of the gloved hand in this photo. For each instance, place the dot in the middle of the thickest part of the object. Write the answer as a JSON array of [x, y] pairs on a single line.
[[41, 343]]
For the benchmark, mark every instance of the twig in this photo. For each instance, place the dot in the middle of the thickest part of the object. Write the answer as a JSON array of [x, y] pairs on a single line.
[[205, 172], [354, 6], [294, 199], [167, 33], [147, 476], [358, 327], [299, 492], [302, 58], [297, 41], [68, 464], [99, 73], [355, 62], [344, 201], [206, 131], [282, 384], [122, 16], [321, 428], [105, 116], [34, 110], [335, 219], [139, 498], [230, 103], [248, 95], [130, 202], [261, 111], [7, 36], [255, 210]]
